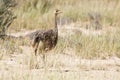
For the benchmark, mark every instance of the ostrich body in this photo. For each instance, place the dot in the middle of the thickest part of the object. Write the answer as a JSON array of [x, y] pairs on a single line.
[[45, 40]]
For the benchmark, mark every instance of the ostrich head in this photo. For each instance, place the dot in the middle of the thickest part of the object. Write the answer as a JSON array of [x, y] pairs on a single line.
[[57, 11]]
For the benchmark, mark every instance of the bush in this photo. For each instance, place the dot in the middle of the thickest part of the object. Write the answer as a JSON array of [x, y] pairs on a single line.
[[6, 14]]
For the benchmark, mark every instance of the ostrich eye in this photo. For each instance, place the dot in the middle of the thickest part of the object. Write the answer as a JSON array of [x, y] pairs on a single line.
[[57, 10]]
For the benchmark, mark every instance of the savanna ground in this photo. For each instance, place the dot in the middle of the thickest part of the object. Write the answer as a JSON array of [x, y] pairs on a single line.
[[81, 54]]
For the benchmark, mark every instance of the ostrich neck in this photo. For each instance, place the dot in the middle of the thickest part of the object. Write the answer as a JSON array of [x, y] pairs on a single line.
[[56, 28]]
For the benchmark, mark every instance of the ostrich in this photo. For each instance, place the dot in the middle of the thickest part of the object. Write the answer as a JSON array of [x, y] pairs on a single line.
[[45, 40]]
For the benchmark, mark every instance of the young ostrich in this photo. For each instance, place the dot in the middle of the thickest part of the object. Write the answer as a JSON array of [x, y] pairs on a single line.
[[45, 40]]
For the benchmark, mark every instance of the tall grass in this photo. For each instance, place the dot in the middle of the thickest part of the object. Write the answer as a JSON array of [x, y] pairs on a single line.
[[98, 46], [39, 13]]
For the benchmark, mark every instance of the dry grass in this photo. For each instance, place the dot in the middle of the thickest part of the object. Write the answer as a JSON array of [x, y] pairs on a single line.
[[68, 60], [77, 46], [39, 13], [36, 75]]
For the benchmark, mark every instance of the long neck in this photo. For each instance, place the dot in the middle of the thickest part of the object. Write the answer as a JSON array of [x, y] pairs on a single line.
[[56, 28]]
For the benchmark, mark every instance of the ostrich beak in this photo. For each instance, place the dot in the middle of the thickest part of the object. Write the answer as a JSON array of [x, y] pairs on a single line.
[[60, 12]]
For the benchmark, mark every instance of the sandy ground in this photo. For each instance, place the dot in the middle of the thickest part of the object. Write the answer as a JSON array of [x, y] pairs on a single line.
[[58, 66]]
